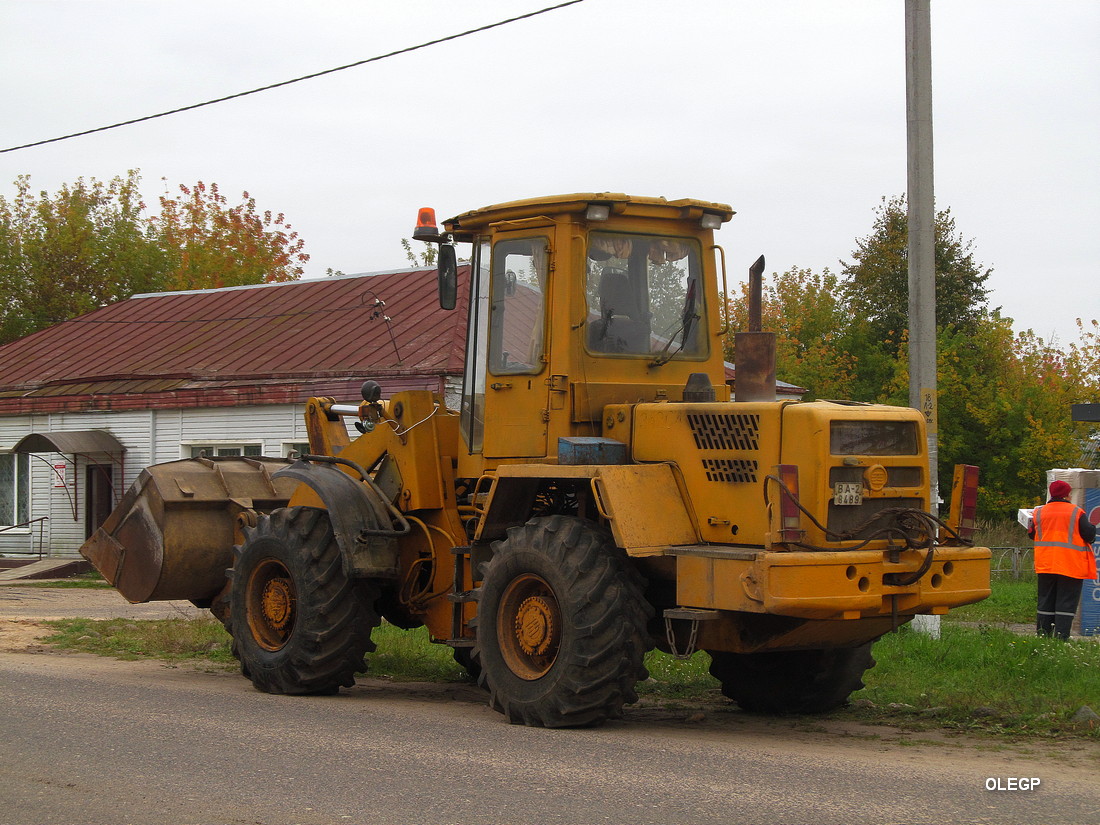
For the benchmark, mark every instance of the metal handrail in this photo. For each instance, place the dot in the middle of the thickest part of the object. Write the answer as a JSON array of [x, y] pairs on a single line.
[[37, 521]]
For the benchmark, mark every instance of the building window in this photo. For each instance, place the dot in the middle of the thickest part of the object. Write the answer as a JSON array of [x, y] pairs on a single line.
[[211, 450], [15, 473], [293, 449]]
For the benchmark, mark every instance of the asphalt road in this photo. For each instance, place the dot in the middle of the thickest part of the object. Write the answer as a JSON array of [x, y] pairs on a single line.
[[90, 740], [85, 739]]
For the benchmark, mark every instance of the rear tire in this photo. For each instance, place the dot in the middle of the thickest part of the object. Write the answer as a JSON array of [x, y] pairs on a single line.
[[299, 624], [792, 681], [560, 625]]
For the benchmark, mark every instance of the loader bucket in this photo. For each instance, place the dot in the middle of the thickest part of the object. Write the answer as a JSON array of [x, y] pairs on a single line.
[[172, 535]]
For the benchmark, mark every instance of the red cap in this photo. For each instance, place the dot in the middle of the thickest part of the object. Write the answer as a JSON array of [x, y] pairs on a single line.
[[1060, 489]]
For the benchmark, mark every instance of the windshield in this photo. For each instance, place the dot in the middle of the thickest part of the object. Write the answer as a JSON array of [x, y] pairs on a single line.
[[645, 296]]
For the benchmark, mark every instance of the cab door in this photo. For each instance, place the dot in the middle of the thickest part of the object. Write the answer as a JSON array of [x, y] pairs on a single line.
[[516, 357]]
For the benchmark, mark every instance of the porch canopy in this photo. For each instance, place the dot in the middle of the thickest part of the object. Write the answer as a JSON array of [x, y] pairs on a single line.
[[75, 442]]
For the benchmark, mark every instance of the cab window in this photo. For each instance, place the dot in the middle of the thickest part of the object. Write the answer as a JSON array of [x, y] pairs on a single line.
[[645, 296], [473, 379], [517, 311]]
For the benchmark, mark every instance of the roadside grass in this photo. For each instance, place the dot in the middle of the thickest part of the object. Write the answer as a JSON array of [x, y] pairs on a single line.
[[1000, 533], [985, 678], [1011, 602], [410, 656], [402, 655], [91, 580], [976, 677], [180, 639]]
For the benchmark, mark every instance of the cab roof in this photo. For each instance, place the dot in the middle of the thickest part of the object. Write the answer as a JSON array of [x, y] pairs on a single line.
[[620, 204]]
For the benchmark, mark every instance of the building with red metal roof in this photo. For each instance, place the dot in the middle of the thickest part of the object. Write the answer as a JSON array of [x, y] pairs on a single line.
[[87, 403], [263, 344]]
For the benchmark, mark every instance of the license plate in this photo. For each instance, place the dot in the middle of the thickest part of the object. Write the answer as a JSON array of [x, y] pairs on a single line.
[[848, 492]]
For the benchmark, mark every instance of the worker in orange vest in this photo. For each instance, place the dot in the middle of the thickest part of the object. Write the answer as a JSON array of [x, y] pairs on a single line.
[[1063, 557]]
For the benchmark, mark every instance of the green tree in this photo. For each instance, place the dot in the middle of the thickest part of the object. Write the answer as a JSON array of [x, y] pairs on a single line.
[[877, 278], [90, 244], [72, 252], [1004, 404], [1083, 374], [1004, 398], [667, 297], [982, 419], [880, 371], [425, 257]]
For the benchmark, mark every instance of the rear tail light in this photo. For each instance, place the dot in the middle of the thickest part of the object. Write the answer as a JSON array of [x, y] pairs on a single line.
[[790, 516], [964, 501]]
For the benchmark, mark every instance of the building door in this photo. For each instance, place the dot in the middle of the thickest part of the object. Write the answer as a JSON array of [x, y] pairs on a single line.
[[99, 498]]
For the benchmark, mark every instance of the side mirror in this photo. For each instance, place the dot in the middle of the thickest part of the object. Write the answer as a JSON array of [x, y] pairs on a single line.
[[448, 275]]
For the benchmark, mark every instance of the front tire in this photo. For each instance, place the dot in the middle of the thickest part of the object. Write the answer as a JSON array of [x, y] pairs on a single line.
[[792, 681], [560, 625], [299, 624]]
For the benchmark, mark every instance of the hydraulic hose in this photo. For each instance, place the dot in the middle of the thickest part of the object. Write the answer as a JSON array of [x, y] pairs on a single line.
[[915, 529]]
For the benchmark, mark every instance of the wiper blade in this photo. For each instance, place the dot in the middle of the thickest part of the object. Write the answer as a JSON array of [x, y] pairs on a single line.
[[687, 318]]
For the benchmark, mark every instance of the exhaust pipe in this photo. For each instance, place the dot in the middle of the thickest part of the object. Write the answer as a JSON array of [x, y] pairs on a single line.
[[754, 367]]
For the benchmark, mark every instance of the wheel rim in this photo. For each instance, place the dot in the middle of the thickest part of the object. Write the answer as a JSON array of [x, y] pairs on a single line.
[[272, 604], [529, 627]]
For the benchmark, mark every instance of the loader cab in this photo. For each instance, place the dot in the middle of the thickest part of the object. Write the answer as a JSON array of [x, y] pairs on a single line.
[[577, 302]]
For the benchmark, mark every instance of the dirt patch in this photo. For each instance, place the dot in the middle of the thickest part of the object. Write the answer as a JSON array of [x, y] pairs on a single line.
[[21, 636], [24, 611]]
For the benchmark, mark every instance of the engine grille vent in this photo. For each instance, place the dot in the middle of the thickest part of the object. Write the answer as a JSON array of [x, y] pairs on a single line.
[[737, 470], [738, 431]]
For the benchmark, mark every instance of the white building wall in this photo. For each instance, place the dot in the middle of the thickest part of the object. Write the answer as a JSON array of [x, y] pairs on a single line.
[[150, 437], [269, 426]]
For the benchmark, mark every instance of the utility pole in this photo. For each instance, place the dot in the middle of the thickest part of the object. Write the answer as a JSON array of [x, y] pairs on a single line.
[[922, 241]]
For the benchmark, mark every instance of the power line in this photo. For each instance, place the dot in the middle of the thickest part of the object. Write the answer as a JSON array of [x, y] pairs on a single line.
[[436, 42]]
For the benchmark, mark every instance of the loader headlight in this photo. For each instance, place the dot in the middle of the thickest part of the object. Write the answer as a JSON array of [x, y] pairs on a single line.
[[710, 221], [597, 212]]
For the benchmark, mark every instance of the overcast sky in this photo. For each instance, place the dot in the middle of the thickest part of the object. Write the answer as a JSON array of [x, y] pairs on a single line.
[[791, 112]]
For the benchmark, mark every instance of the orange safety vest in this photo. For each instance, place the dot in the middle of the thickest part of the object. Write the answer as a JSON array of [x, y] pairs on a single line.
[[1059, 547]]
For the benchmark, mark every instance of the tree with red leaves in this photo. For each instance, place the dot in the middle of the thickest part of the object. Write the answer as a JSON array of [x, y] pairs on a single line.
[[215, 244]]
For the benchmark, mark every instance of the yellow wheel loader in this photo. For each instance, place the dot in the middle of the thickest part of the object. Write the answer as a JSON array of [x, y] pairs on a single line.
[[602, 489]]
